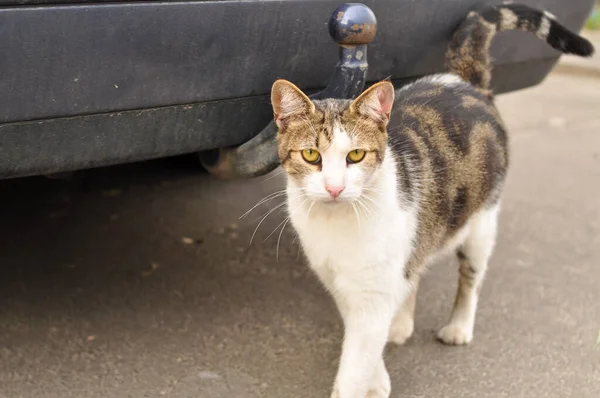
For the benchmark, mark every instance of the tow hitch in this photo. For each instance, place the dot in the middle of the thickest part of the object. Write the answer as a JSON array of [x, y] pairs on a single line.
[[352, 26]]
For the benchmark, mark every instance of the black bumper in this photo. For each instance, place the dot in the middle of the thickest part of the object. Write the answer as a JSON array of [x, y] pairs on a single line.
[[88, 85]]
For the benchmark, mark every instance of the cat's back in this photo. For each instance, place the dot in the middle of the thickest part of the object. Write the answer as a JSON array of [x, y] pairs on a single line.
[[445, 110], [451, 150]]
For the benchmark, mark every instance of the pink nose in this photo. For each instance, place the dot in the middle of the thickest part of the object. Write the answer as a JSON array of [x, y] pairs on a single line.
[[334, 191]]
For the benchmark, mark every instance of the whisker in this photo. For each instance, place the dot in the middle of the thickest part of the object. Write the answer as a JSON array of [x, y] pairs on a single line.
[[310, 208], [273, 176], [375, 203], [276, 228], [300, 205], [364, 206], [374, 211], [356, 214], [284, 201], [263, 219], [263, 200], [279, 239], [270, 210], [372, 201]]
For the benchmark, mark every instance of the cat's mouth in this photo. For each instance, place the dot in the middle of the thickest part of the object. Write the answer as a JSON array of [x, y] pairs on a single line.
[[329, 201]]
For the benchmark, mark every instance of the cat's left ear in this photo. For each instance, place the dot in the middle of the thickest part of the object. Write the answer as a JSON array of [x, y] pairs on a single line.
[[289, 101], [376, 102]]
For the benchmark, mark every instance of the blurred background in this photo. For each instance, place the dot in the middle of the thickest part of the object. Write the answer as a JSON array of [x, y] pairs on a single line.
[[143, 280]]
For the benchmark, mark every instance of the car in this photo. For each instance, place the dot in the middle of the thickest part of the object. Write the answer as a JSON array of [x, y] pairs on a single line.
[[87, 84]]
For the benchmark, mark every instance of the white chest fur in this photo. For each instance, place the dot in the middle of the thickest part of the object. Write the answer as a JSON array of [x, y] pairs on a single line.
[[356, 250]]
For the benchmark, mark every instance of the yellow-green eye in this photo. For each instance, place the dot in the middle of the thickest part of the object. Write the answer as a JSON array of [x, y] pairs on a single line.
[[311, 156], [355, 156]]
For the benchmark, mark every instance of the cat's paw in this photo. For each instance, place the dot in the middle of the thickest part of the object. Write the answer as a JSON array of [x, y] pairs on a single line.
[[379, 393], [401, 330], [455, 334], [381, 386]]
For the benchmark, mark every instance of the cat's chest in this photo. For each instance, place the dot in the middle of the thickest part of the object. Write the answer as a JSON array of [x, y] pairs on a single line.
[[345, 241]]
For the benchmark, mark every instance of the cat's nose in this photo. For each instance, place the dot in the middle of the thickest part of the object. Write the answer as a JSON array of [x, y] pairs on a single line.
[[334, 190]]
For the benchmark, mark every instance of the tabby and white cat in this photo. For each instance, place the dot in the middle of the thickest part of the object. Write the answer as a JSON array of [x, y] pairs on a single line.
[[374, 207]]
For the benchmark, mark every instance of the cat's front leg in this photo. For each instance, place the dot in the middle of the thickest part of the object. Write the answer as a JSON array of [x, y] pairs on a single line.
[[380, 386], [404, 321], [367, 317], [361, 371]]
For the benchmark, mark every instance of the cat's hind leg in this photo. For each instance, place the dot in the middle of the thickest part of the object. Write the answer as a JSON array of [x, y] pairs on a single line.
[[473, 258]]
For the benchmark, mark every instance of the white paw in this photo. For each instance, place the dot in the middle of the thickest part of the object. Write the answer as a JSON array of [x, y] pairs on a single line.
[[455, 334], [381, 387], [401, 330], [382, 391], [379, 393]]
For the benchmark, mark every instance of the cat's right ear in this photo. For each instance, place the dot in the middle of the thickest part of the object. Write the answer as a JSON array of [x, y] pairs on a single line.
[[376, 102], [288, 101]]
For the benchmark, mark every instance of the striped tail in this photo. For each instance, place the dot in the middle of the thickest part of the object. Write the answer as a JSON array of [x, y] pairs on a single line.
[[468, 53]]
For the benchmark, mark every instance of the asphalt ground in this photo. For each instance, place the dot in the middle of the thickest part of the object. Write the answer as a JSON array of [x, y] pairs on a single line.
[[139, 281]]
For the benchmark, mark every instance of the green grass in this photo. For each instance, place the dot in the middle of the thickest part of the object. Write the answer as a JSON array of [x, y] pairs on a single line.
[[593, 22]]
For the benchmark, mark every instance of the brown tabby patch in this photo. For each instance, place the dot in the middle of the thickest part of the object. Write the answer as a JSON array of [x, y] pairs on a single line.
[[315, 131], [457, 157]]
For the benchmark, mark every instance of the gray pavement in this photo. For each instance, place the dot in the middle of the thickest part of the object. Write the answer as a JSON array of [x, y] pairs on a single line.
[[138, 281]]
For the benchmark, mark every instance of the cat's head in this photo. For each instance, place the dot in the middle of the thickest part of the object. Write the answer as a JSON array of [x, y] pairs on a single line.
[[332, 149]]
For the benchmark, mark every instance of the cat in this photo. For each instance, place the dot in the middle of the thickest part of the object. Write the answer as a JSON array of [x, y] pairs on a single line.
[[374, 206]]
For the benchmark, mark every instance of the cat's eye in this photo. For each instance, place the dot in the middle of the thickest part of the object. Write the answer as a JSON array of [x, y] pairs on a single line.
[[311, 156], [355, 156]]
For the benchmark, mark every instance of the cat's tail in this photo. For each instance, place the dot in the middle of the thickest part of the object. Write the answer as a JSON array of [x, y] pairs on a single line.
[[468, 53]]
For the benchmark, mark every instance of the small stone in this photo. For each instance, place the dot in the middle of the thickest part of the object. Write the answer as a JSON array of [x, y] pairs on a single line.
[[233, 235], [191, 241], [208, 375], [187, 241], [91, 338]]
